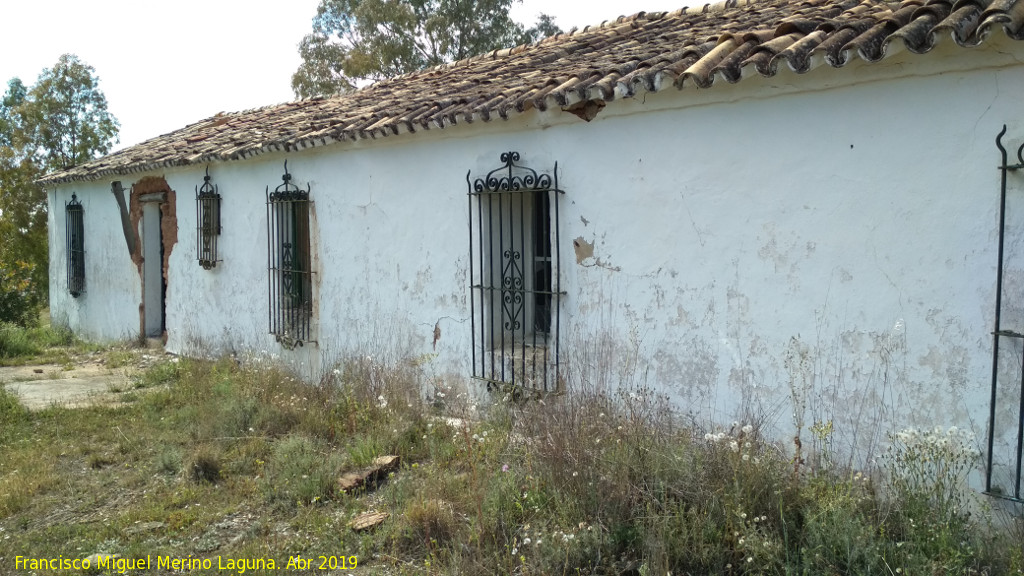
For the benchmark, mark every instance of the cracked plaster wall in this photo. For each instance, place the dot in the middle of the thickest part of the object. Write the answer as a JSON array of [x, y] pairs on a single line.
[[824, 255], [109, 308]]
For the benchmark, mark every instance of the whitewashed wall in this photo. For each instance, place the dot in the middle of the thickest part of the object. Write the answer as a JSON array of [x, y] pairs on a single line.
[[797, 249], [109, 308]]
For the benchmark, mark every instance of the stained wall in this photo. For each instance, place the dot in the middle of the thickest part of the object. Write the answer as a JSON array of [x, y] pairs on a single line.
[[792, 250]]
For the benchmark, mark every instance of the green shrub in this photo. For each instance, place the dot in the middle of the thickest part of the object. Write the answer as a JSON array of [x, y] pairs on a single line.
[[169, 460], [15, 341], [204, 465], [20, 301], [301, 471], [11, 410], [21, 341]]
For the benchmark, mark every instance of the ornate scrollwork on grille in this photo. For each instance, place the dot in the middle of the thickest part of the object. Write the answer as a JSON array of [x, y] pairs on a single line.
[[288, 192], [511, 177], [208, 222], [514, 274], [512, 290], [75, 230], [289, 263]]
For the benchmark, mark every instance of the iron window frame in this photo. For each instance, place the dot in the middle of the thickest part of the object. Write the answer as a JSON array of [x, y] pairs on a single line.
[[499, 291], [208, 226], [74, 218], [289, 263]]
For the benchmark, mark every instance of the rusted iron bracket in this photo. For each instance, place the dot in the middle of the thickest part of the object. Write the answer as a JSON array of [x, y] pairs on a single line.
[[998, 332]]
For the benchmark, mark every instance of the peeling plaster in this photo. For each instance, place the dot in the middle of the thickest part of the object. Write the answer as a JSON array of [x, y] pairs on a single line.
[[585, 255], [585, 109], [168, 230], [583, 249], [168, 218], [720, 318]]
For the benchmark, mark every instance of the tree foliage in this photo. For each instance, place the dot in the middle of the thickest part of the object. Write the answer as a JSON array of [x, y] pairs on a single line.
[[59, 122], [65, 115], [356, 41]]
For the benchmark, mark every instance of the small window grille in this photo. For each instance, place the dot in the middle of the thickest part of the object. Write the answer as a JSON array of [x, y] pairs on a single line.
[[75, 230], [207, 222], [514, 277], [289, 264]]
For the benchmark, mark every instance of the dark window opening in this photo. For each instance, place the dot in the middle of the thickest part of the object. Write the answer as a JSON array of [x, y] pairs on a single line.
[[514, 275], [207, 222], [75, 230], [542, 262], [289, 264]]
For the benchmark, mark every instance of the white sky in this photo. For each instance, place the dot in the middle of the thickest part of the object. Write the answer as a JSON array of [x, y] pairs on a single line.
[[163, 65]]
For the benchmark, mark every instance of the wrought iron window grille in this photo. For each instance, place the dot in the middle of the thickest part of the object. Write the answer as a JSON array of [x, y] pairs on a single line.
[[75, 230], [207, 222], [1002, 403], [290, 286], [515, 274]]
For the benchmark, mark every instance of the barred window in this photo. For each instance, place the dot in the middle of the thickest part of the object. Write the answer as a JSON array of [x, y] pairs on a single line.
[[75, 230], [514, 276], [207, 222], [289, 264]]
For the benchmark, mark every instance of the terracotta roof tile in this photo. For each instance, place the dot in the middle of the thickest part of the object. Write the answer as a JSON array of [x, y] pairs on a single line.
[[580, 72]]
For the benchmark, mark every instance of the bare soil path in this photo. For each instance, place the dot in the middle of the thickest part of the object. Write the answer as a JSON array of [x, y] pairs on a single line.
[[87, 380]]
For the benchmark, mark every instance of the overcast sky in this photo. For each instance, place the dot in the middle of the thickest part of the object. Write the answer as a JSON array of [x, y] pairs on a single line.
[[163, 65]]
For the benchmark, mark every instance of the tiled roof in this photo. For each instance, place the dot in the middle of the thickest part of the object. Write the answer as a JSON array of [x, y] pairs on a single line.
[[581, 71]]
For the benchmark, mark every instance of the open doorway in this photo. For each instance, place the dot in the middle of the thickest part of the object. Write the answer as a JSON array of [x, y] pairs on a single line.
[[154, 285]]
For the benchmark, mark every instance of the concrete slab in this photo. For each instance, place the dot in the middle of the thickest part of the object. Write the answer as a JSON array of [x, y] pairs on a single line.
[[39, 387]]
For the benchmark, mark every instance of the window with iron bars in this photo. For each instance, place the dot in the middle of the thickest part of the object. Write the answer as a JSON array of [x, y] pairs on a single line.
[[207, 222], [75, 230], [290, 286], [514, 276]]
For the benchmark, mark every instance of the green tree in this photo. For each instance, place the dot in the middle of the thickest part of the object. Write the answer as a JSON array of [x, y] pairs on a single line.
[[58, 123], [10, 122], [65, 115], [355, 41]]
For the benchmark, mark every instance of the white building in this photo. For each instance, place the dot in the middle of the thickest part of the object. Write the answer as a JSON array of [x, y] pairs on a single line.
[[788, 210]]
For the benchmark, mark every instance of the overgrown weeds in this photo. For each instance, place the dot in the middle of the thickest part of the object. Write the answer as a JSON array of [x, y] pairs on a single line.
[[228, 458], [27, 343]]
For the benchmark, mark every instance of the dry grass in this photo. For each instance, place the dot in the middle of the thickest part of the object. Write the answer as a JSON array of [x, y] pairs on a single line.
[[218, 459]]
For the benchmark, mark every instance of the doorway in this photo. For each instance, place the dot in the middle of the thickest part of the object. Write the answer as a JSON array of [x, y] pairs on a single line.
[[154, 287]]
